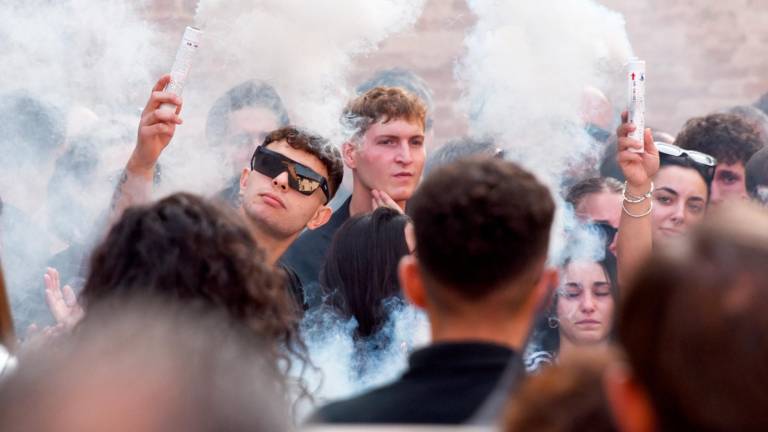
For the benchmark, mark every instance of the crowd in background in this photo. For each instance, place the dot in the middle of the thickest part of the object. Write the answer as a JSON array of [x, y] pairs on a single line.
[[186, 312]]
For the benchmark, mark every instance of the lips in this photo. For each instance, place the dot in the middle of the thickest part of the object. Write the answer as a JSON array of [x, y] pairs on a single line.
[[403, 175], [272, 200], [671, 231], [588, 322]]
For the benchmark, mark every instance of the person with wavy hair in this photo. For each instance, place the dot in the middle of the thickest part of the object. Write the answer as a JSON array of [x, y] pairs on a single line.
[[187, 250]]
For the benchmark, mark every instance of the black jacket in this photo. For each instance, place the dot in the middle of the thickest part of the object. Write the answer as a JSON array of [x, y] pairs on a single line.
[[445, 383]]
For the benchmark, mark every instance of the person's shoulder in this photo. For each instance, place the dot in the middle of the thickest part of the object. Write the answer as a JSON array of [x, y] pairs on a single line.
[[364, 408]]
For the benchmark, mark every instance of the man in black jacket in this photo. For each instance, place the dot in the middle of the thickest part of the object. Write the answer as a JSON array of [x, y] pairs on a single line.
[[482, 234]]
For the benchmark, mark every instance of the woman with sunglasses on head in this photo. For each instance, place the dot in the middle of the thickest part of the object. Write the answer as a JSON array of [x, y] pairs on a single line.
[[666, 192]]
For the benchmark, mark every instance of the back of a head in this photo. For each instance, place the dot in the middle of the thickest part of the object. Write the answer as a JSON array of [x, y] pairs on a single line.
[[693, 325], [756, 118], [480, 224], [563, 397], [461, 148], [360, 270], [187, 250], [30, 130], [762, 103], [757, 176], [146, 367], [727, 137], [249, 94]]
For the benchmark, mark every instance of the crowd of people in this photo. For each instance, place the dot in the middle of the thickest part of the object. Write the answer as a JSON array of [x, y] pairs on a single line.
[[187, 312]]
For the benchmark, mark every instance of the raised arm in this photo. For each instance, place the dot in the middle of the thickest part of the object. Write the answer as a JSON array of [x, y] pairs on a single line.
[[156, 129], [634, 241]]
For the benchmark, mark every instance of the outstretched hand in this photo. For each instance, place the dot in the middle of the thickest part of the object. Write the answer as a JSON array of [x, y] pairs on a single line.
[[62, 302], [638, 168], [157, 126]]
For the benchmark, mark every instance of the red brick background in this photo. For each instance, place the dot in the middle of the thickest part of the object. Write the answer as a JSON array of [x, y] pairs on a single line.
[[702, 55]]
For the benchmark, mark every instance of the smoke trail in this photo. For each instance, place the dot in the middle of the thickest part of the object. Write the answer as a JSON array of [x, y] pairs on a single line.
[[526, 68], [350, 366]]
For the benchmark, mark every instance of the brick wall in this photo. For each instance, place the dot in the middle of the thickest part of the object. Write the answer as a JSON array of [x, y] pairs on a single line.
[[702, 55]]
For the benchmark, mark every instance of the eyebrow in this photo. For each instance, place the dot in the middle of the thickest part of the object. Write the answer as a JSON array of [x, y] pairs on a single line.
[[668, 190], [397, 136]]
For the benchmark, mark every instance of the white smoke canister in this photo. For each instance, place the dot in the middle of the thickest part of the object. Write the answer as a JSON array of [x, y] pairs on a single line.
[[186, 52], [636, 99]]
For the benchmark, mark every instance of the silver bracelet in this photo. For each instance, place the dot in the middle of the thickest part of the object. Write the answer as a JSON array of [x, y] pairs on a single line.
[[635, 199], [637, 216]]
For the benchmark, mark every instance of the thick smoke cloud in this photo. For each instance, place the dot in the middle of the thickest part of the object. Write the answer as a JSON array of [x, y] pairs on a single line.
[[526, 67]]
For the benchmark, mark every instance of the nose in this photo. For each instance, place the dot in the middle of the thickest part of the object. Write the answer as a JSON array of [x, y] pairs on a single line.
[[404, 155], [588, 304], [678, 217], [281, 181]]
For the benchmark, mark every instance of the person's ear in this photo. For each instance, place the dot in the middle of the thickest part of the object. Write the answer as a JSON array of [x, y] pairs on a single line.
[[321, 217], [244, 180], [349, 153], [627, 400], [411, 281]]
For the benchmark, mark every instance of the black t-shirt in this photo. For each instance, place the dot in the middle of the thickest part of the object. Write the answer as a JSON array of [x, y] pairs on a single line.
[[306, 256], [445, 383]]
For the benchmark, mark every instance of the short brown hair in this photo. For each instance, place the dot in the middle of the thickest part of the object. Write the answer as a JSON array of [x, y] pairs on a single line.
[[727, 137], [382, 104], [315, 145], [479, 223], [693, 325]]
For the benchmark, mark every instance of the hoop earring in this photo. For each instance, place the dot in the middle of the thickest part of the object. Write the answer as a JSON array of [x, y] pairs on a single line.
[[553, 322]]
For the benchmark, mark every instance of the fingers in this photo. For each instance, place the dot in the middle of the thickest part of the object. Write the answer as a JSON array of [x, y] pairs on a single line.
[[624, 116], [627, 156], [649, 146], [161, 97], [161, 116], [162, 82], [69, 296], [624, 129], [627, 144], [159, 129]]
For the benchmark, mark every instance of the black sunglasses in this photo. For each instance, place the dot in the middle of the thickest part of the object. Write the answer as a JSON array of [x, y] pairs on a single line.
[[301, 178], [704, 163]]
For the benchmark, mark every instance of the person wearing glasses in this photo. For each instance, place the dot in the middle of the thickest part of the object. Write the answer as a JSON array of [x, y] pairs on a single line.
[[292, 177], [667, 191]]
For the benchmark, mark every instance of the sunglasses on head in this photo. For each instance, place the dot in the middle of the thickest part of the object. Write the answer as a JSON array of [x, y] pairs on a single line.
[[705, 162], [301, 178]]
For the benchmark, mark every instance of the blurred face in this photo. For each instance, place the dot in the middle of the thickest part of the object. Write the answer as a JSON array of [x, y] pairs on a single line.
[[273, 206], [679, 202], [729, 183], [390, 158], [247, 129], [601, 207], [585, 303]]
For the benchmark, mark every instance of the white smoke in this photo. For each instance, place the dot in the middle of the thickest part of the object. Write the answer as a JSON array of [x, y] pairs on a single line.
[[524, 74], [348, 366]]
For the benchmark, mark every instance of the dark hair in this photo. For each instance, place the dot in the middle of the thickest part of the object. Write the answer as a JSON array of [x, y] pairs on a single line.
[[461, 148], [546, 338], [30, 129], [756, 118], [757, 172], [405, 79], [727, 137], [589, 186], [186, 249], [251, 93], [360, 269], [315, 145], [382, 104], [706, 173], [693, 325], [480, 223]]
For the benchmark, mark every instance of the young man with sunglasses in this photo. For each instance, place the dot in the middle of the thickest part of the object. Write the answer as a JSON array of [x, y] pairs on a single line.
[[386, 154], [292, 178]]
